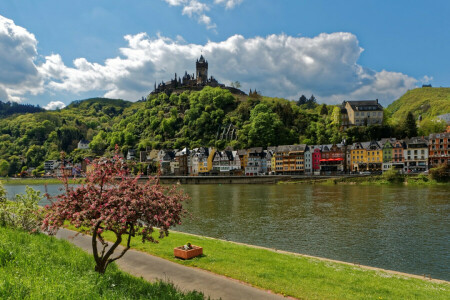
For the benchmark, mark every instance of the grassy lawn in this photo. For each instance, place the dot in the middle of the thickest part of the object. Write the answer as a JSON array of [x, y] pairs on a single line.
[[291, 275], [34, 181], [42, 267]]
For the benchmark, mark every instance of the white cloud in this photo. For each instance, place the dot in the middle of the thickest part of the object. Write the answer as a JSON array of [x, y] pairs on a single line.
[[18, 72], [229, 4], [277, 65], [194, 9], [54, 105]]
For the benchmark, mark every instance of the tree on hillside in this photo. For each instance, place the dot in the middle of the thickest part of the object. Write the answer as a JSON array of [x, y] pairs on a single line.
[[236, 84], [264, 127], [324, 110], [410, 126], [312, 102], [302, 100], [113, 200], [4, 167]]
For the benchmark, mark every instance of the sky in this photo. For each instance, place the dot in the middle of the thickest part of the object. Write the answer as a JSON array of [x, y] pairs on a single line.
[[54, 52]]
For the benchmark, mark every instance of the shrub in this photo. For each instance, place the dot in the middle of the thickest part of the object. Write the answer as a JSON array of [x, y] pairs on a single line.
[[2, 205], [440, 173], [393, 176], [23, 212]]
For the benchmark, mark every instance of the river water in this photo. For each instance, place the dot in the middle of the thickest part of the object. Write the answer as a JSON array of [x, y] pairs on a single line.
[[400, 228]]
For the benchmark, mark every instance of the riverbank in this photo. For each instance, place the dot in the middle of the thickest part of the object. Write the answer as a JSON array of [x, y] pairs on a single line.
[[37, 181], [292, 274], [414, 180], [36, 266], [266, 179]]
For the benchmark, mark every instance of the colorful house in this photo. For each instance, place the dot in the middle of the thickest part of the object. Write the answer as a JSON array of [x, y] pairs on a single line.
[[316, 156], [332, 159], [416, 155], [374, 156], [358, 161], [308, 160], [439, 149], [206, 165]]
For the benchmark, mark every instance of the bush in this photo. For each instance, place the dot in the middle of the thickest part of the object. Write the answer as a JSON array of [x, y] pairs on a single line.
[[393, 176], [23, 212], [2, 205], [440, 173]]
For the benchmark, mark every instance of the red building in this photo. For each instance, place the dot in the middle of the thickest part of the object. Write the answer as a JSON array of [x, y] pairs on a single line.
[[439, 150], [332, 159], [316, 156]]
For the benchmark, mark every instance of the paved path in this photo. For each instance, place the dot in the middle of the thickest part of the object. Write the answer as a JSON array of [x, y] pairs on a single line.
[[184, 278]]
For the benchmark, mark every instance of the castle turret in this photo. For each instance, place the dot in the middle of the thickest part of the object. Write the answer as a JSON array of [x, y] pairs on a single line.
[[202, 70]]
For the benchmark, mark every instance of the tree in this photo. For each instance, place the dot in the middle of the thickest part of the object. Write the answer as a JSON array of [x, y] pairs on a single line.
[[324, 110], [410, 126], [264, 126], [311, 103], [302, 100], [235, 84], [123, 206], [4, 167]]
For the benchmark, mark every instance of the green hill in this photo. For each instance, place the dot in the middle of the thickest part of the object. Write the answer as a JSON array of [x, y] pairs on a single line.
[[210, 117], [428, 102]]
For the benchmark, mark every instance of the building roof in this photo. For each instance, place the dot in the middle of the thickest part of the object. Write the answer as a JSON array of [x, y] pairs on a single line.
[[364, 105], [441, 135]]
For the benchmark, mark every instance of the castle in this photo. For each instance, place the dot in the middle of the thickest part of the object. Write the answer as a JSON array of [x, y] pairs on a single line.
[[191, 82]]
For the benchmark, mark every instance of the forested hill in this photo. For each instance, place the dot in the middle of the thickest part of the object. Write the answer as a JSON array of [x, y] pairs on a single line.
[[210, 117], [11, 108], [428, 102], [99, 103]]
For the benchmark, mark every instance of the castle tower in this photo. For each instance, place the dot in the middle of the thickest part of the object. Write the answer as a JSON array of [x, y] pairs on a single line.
[[202, 70]]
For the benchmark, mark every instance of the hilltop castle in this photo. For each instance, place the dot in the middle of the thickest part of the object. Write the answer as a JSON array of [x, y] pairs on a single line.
[[191, 82]]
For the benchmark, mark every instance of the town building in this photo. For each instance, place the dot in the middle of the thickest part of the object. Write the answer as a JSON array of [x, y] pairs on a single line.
[[361, 113], [439, 149], [83, 144], [316, 156], [358, 162], [332, 160], [392, 154], [374, 156], [308, 160], [416, 155], [289, 159]]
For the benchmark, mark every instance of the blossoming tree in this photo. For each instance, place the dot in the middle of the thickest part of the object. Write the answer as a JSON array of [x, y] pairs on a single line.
[[112, 200]]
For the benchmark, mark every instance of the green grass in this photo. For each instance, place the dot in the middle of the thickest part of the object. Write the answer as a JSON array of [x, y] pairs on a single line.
[[293, 275], [43, 267], [34, 181], [428, 102]]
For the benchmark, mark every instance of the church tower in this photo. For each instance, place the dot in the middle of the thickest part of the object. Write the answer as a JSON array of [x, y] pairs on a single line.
[[202, 70]]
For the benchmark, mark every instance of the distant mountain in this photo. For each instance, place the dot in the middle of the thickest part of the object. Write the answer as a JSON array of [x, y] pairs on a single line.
[[428, 102], [11, 108]]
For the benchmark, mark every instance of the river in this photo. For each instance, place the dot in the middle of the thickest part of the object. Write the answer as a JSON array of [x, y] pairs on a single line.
[[399, 228]]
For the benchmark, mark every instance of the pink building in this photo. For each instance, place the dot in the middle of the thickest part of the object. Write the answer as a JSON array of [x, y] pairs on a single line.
[[316, 156]]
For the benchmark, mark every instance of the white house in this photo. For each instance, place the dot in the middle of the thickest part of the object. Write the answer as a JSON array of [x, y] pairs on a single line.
[[83, 144]]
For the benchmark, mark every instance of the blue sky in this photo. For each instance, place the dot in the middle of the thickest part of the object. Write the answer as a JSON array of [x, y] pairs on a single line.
[[60, 51]]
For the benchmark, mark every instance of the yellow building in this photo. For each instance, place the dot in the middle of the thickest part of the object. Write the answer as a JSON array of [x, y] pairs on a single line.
[[206, 166], [366, 156], [358, 158], [374, 156]]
